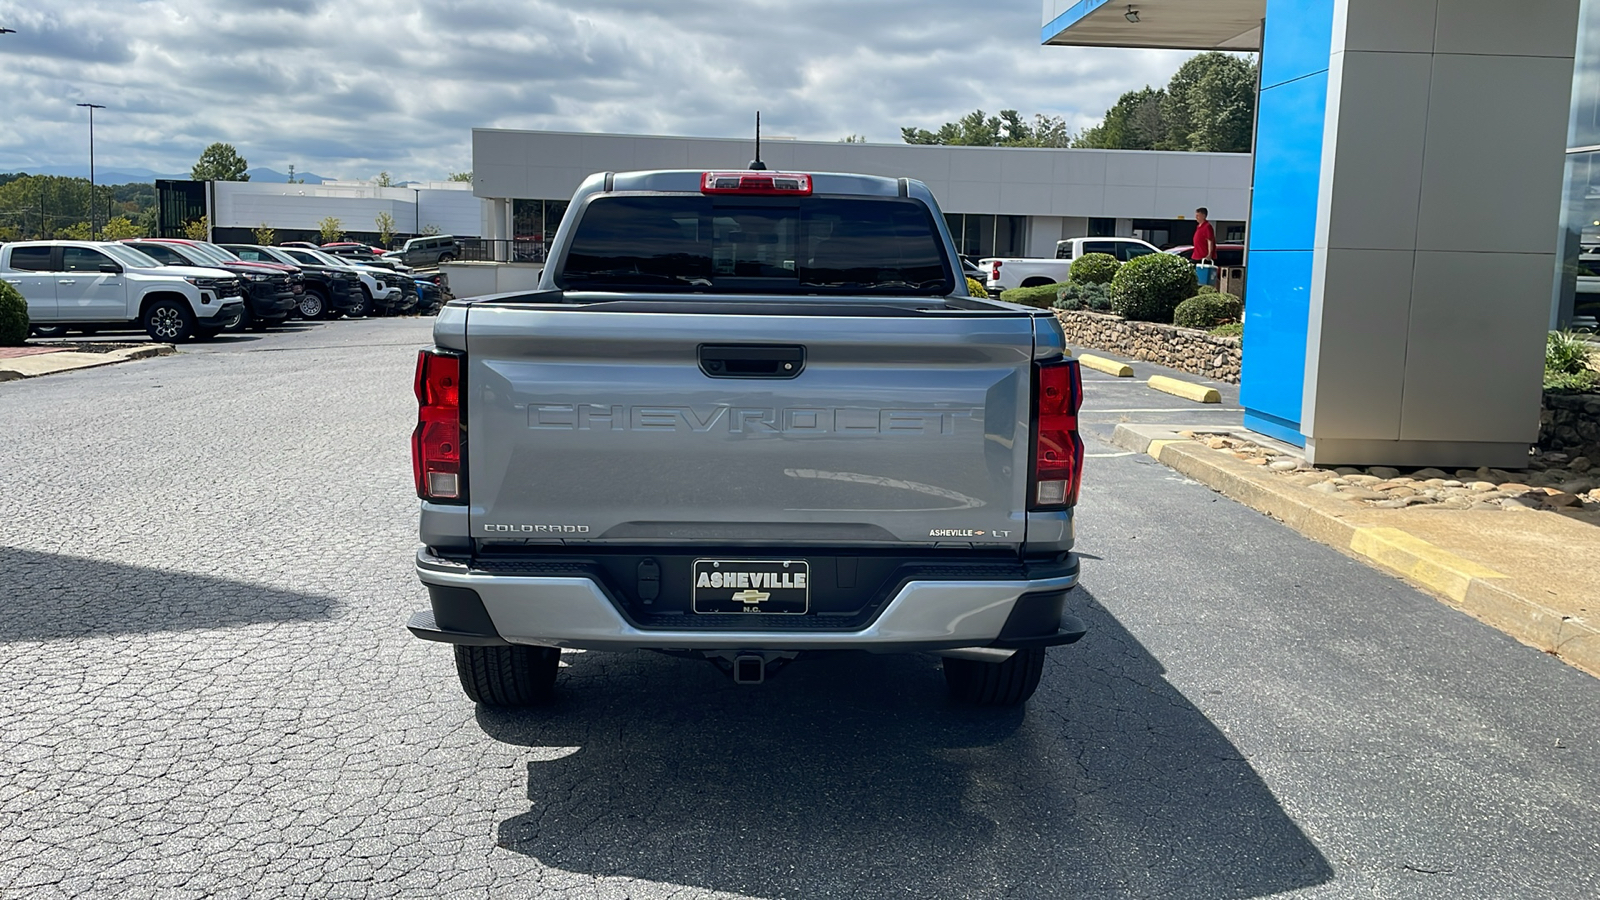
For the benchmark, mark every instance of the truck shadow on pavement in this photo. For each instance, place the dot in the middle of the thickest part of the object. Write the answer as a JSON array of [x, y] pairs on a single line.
[[853, 776], [48, 596]]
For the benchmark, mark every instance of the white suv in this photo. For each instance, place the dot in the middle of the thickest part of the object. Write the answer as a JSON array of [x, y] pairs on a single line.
[[89, 284]]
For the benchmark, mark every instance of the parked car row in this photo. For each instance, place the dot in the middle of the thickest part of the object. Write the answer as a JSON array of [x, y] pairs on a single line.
[[179, 289]]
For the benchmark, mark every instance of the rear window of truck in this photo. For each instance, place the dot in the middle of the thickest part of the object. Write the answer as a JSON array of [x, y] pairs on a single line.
[[810, 245]]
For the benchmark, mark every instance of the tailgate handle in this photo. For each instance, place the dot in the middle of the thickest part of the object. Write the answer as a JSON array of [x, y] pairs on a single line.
[[752, 360]]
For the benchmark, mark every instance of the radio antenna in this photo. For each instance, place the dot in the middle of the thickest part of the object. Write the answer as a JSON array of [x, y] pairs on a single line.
[[756, 164]]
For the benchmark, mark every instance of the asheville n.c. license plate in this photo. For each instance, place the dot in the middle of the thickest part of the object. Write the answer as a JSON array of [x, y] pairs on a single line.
[[751, 586]]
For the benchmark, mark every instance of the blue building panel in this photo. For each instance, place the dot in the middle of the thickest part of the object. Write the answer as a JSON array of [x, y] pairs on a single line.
[[1297, 42], [1296, 50], [1272, 383], [1283, 209]]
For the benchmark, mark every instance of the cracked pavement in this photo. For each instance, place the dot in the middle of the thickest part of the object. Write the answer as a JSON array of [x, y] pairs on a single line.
[[210, 693]]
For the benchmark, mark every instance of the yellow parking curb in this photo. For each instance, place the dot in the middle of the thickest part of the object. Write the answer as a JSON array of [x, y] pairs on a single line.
[[1108, 366], [1419, 560], [1154, 450], [1199, 393]]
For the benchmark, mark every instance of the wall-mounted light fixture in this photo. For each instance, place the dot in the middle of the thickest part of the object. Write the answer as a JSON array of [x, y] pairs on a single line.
[[1132, 15]]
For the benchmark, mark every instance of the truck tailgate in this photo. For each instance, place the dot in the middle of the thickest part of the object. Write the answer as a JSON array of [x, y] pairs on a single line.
[[588, 425]]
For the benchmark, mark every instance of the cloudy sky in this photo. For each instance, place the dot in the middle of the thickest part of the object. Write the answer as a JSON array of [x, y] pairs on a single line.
[[347, 88]]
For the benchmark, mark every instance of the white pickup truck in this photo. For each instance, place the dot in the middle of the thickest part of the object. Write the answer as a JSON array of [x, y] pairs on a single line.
[[87, 284], [1005, 273]]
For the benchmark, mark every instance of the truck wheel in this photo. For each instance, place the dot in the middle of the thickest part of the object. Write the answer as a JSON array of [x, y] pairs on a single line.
[[168, 321], [1006, 683], [363, 308], [507, 676], [312, 305], [246, 319], [48, 330]]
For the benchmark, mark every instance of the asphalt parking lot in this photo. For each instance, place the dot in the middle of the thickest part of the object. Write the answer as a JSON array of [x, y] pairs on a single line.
[[212, 694]]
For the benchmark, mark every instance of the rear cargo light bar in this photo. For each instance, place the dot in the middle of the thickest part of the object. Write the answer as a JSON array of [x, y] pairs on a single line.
[[436, 457], [1057, 448], [766, 183]]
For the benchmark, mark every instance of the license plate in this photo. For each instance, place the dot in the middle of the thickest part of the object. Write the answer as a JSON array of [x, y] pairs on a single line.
[[752, 586]]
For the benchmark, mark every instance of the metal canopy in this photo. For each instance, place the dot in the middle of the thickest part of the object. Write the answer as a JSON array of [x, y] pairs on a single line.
[[1163, 24]]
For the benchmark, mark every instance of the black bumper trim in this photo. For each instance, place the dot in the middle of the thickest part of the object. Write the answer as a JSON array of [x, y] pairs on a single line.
[[1070, 631], [423, 625]]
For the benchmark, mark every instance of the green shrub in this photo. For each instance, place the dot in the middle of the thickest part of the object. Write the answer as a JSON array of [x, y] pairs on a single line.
[[1207, 289], [1566, 363], [976, 288], [1207, 311], [1150, 287], [1095, 297], [13, 316], [1232, 329], [1094, 268], [1041, 297]]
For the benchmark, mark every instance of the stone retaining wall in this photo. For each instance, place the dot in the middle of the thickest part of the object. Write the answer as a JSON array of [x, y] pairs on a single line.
[[1184, 349], [1570, 424]]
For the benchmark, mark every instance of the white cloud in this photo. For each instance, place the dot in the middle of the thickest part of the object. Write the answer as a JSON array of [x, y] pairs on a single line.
[[349, 89]]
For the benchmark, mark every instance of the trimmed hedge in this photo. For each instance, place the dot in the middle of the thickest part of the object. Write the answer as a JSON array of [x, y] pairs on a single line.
[[13, 316], [976, 288], [1207, 311], [1041, 297], [1094, 268], [1207, 289], [1150, 287]]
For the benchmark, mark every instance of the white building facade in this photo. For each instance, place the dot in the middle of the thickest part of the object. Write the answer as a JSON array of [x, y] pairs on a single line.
[[448, 207], [1002, 201]]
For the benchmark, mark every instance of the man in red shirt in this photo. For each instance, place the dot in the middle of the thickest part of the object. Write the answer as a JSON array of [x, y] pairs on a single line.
[[1205, 237]]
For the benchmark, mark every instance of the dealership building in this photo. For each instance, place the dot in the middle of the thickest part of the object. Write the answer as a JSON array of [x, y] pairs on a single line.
[[1408, 240], [999, 201]]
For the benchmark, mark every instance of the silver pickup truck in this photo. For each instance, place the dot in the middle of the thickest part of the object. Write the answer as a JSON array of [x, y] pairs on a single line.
[[747, 416]]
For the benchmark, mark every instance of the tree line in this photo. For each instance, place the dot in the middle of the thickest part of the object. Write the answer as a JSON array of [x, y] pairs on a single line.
[[1209, 105], [55, 206]]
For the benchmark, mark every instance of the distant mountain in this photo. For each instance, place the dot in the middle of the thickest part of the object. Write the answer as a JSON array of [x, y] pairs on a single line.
[[262, 173]]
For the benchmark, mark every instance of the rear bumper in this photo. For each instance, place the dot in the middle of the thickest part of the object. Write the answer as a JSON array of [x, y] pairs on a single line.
[[477, 608]]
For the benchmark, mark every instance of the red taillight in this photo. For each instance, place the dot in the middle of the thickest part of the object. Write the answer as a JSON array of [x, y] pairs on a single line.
[[1057, 449], [994, 270], [436, 444], [768, 183]]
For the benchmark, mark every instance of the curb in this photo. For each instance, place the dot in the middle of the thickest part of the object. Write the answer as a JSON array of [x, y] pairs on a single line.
[[1108, 366], [1469, 586], [82, 360], [1199, 393]]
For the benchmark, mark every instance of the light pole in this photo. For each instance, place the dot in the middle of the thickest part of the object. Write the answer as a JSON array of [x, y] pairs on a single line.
[[94, 231]]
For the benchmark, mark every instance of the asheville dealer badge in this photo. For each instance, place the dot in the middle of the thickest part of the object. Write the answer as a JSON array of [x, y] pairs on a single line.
[[751, 586]]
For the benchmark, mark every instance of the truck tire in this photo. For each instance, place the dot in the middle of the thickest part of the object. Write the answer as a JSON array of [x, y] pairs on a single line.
[[1008, 683], [364, 308], [48, 331], [168, 321], [313, 305], [507, 676]]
